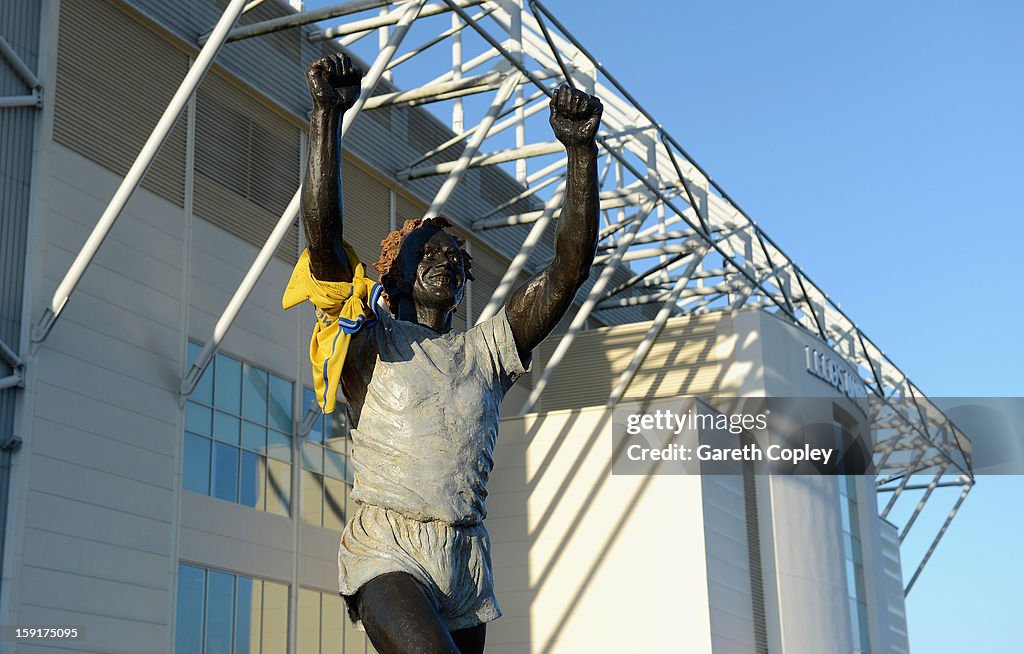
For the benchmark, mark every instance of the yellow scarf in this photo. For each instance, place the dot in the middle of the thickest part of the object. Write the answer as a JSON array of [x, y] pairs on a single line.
[[342, 309]]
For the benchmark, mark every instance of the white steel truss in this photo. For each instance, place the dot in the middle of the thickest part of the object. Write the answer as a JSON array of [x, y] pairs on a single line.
[[684, 242]]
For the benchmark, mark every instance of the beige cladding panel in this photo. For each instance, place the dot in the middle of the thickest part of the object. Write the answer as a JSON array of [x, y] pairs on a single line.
[[572, 544], [247, 164], [367, 209], [108, 117], [690, 356], [408, 209]]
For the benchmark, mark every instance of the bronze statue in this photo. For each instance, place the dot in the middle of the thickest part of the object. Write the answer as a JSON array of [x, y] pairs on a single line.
[[414, 561]]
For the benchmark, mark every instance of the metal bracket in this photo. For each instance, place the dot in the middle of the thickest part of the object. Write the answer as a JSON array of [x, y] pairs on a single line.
[[35, 99], [17, 364]]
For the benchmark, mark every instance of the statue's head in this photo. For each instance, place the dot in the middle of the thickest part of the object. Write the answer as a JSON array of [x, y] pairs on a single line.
[[425, 263]]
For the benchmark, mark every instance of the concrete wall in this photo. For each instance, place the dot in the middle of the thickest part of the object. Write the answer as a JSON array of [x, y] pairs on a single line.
[[891, 604], [586, 560]]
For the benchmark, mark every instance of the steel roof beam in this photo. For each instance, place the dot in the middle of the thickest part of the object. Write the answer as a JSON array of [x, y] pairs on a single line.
[[384, 20]]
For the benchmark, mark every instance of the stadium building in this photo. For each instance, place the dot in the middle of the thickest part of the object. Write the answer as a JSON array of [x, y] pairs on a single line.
[[167, 484]]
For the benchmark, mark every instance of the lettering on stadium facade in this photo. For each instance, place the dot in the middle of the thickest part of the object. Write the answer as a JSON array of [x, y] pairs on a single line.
[[835, 374]]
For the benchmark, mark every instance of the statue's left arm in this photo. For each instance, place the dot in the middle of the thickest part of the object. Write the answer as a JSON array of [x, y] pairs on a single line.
[[535, 308]]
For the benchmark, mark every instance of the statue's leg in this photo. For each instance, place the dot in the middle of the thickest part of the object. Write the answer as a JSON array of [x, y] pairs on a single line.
[[471, 639], [400, 617]]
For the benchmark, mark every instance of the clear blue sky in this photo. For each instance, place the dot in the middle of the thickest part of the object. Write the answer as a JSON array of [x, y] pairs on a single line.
[[879, 143]]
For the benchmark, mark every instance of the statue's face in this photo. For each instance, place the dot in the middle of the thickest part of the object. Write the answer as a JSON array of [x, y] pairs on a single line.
[[432, 267]]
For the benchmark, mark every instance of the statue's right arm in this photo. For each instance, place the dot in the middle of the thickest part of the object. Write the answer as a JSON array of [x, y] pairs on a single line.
[[334, 87]]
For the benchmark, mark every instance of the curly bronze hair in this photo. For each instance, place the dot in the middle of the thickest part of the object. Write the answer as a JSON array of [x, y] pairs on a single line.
[[392, 245]]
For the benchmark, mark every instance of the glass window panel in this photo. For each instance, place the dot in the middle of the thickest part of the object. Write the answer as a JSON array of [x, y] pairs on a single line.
[[334, 504], [336, 444], [312, 498], [854, 521], [198, 418], [332, 618], [220, 605], [255, 386], [844, 517], [225, 472], [279, 445], [188, 628], [841, 480], [251, 481], [334, 464], [308, 398], [851, 487], [247, 616], [313, 457], [851, 578], [857, 557], [854, 622], [203, 392], [309, 403], [316, 432], [280, 416], [254, 437], [196, 467], [227, 392], [858, 576], [339, 421], [279, 484], [275, 617], [225, 428], [308, 635], [865, 641]]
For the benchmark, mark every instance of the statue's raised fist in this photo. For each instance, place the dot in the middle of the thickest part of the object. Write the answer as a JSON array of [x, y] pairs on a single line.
[[334, 81], [575, 116]]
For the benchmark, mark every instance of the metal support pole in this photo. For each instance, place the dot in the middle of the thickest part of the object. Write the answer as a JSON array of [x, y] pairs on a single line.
[[529, 192], [903, 483], [496, 129], [17, 365], [920, 504], [35, 99], [227, 318], [608, 201], [10, 356], [436, 92], [462, 164], [381, 62], [398, 61], [519, 261], [382, 21], [383, 32], [584, 311], [241, 294], [945, 484], [458, 115], [19, 66], [626, 378], [138, 170], [942, 532], [489, 159], [21, 101], [297, 20]]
